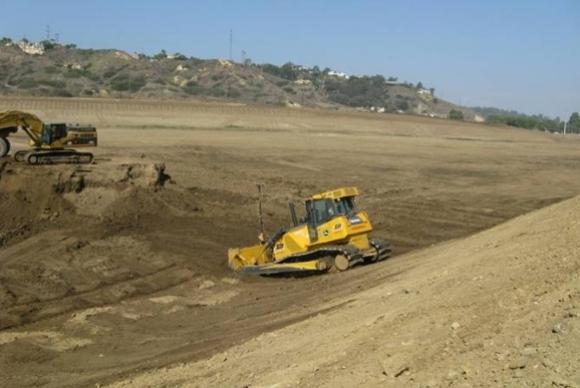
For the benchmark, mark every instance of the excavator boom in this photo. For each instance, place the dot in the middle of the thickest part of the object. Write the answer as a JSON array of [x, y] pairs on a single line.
[[11, 120]]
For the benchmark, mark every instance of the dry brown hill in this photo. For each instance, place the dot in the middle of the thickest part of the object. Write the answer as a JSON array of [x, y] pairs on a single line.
[[50, 69]]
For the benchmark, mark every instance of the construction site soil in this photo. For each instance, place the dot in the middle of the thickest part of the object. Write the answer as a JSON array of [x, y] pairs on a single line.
[[115, 272]]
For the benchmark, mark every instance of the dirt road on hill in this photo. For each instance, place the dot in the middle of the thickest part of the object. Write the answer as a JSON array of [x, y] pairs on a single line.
[[102, 283]]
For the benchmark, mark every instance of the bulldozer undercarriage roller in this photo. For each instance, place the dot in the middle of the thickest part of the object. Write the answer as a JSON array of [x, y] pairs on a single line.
[[382, 248], [38, 157], [341, 263]]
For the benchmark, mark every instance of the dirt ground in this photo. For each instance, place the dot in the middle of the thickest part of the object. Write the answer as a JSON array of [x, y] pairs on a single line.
[[116, 272]]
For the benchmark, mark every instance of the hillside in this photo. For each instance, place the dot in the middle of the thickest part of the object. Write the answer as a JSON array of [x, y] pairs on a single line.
[[50, 69]]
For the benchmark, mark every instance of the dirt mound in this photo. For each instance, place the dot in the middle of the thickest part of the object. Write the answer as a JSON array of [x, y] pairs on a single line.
[[31, 197], [76, 236], [499, 308]]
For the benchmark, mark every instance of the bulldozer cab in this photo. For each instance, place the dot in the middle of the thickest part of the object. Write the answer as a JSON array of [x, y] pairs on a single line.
[[320, 211]]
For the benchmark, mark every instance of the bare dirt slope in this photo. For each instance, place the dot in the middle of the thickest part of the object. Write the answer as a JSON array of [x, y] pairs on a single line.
[[500, 308], [104, 272]]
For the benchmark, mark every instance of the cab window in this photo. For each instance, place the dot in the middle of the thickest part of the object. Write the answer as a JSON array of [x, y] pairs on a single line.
[[323, 211], [345, 205]]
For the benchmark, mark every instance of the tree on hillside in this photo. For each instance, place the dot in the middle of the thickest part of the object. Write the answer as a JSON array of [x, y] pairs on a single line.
[[315, 71], [420, 85], [288, 71], [574, 123], [48, 44], [455, 114], [161, 55]]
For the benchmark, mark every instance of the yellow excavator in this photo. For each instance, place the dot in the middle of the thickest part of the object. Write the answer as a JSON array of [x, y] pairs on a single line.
[[333, 236], [50, 142]]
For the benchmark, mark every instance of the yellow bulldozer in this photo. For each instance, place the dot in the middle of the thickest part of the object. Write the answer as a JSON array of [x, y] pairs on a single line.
[[333, 236], [50, 142]]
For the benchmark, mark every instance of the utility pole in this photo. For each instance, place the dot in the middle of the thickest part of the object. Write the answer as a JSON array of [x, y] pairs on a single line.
[[565, 125], [48, 32], [231, 44]]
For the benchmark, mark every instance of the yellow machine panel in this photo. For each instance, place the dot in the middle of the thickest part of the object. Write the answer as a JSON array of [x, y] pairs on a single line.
[[332, 236]]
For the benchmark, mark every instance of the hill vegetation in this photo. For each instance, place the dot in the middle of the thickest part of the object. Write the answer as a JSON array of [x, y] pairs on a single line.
[[51, 69], [521, 120]]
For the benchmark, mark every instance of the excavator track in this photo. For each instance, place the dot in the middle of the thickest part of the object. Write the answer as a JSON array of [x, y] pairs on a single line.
[[39, 157]]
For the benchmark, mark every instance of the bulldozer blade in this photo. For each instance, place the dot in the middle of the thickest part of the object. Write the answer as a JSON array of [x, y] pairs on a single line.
[[272, 269]]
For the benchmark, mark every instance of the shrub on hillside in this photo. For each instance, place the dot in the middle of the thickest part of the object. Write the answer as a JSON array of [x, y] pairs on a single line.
[[127, 83], [51, 70], [193, 88], [30, 83], [217, 91], [234, 93], [78, 73], [358, 91], [455, 114], [402, 105]]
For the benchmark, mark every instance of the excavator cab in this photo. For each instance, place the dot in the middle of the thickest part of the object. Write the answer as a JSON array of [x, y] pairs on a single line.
[[52, 132], [69, 135]]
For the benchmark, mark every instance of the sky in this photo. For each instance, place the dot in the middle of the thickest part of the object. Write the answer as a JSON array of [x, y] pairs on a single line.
[[514, 54]]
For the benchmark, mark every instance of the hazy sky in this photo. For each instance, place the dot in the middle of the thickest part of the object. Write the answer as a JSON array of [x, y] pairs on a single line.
[[519, 54]]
